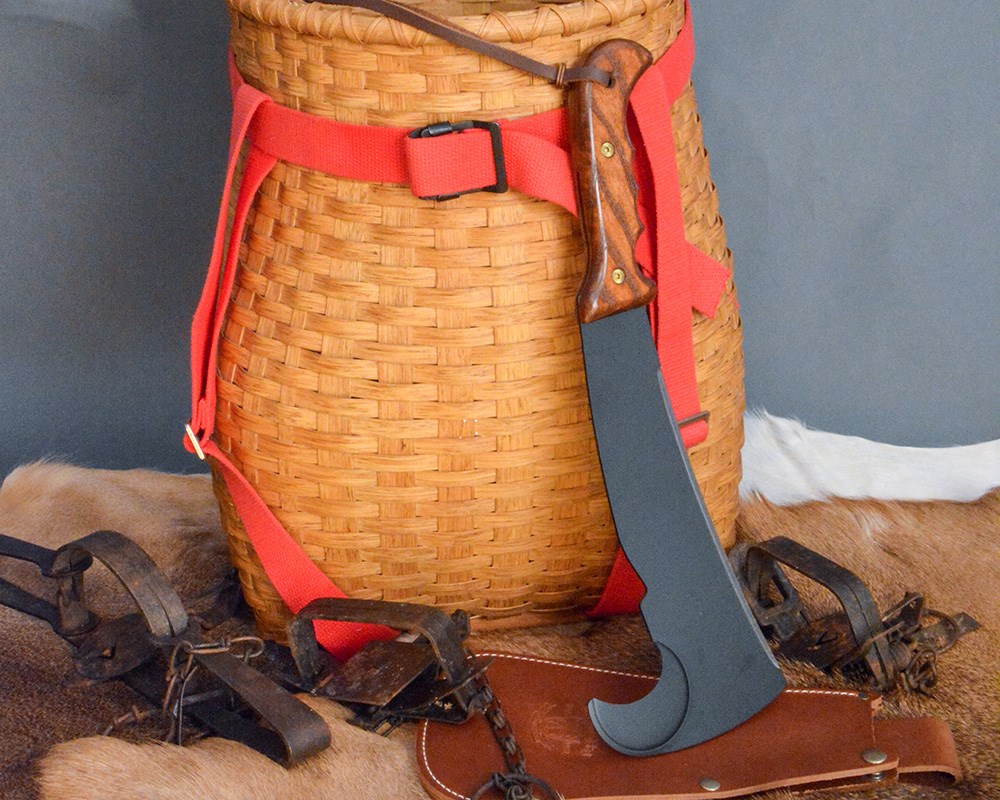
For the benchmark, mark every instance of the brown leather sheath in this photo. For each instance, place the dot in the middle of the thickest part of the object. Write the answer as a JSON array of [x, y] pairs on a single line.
[[806, 739]]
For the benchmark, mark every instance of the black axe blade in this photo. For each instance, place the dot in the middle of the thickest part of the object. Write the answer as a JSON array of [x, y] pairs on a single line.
[[717, 670]]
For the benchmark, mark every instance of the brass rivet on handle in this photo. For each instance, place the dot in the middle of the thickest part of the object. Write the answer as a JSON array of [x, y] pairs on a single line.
[[710, 784], [873, 756], [618, 276], [607, 149]]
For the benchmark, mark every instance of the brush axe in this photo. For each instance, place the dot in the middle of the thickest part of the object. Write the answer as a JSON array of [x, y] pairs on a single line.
[[716, 669]]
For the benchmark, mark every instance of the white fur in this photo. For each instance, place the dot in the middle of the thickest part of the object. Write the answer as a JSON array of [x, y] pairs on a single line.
[[787, 463]]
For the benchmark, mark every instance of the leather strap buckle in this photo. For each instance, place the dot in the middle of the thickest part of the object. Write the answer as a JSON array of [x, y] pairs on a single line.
[[436, 129]]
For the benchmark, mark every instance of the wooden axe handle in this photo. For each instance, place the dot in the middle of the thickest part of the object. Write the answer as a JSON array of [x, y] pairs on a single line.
[[605, 183]]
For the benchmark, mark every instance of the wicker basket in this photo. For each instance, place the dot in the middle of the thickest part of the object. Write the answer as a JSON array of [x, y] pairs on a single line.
[[400, 379]]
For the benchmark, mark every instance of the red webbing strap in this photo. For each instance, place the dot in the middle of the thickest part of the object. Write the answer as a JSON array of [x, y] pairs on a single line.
[[536, 152], [671, 313], [296, 578], [676, 266], [246, 102]]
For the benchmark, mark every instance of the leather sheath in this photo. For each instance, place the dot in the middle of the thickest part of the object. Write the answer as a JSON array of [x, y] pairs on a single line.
[[805, 739]]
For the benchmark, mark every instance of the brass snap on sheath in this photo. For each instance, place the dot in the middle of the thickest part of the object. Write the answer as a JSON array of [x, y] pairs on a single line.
[[710, 784], [873, 756]]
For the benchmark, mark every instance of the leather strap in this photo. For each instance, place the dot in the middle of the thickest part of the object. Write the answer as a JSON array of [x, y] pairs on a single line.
[[806, 739], [926, 750], [559, 74]]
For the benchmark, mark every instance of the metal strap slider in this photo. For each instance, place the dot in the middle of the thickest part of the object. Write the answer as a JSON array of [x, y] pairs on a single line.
[[193, 438]]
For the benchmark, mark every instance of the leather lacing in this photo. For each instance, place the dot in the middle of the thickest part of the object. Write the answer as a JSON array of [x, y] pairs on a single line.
[[559, 74]]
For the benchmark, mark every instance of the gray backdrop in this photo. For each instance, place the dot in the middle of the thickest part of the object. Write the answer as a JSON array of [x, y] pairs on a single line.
[[854, 146]]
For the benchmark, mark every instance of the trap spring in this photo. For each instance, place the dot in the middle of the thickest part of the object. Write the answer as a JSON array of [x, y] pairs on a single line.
[[425, 673], [878, 650], [143, 649]]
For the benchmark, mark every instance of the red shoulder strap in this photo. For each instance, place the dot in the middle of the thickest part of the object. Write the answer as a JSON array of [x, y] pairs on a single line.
[[296, 578]]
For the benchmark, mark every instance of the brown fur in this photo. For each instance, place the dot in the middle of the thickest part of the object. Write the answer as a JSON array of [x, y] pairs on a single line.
[[358, 765], [51, 504], [949, 551]]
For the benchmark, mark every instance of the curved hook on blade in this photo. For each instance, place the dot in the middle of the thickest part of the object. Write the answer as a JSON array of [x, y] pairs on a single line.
[[646, 727]]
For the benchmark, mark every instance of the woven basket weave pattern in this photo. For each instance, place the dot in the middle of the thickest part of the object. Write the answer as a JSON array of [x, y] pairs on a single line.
[[402, 380]]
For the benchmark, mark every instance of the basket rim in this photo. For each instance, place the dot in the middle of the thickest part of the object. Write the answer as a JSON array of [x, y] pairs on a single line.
[[364, 27]]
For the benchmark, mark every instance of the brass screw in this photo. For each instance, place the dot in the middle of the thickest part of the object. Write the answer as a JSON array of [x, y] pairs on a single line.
[[618, 276], [607, 149]]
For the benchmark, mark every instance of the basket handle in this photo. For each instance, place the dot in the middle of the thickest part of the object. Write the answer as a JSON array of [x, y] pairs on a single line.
[[558, 74]]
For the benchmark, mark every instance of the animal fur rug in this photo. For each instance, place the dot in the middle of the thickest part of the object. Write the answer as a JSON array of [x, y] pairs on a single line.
[[949, 551]]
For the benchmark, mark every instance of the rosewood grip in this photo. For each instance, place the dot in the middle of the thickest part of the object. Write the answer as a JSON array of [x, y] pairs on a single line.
[[605, 184]]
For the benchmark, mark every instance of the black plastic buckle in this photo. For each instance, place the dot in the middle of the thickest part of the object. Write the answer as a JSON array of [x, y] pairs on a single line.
[[444, 128]]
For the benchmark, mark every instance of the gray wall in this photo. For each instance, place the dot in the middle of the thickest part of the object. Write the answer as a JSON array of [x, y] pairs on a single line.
[[114, 123], [856, 150], [854, 147]]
